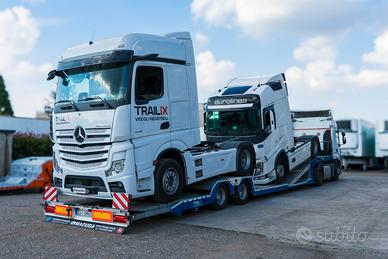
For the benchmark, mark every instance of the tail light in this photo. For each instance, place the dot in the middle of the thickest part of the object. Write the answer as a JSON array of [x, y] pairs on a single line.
[[120, 219], [49, 209]]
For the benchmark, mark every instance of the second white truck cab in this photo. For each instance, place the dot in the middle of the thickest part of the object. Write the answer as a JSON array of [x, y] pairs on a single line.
[[256, 109], [322, 124]]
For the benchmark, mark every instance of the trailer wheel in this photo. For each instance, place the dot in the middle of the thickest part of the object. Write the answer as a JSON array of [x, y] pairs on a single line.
[[315, 147], [319, 176], [241, 195], [245, 160], [168, 180], [222, 198]]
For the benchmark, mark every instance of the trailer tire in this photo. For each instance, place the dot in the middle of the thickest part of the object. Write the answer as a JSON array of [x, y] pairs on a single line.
[[169, 180], [315, 147], [281, 168], [241, 195], [319, 176], [222, 198], [245, 160]]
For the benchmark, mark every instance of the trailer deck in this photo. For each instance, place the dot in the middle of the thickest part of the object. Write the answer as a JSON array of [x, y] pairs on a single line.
[[99, 214]]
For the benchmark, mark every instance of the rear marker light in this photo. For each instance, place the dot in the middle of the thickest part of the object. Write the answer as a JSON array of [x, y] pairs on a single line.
[[120, 219], [49, 209]]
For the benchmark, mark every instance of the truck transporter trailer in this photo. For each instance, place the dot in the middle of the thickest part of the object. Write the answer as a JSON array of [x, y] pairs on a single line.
[[126, 136]]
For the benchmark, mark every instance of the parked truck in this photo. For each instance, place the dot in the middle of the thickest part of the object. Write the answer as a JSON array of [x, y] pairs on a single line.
[[126, 127], [360, 143], [382, 143], [322, 124]]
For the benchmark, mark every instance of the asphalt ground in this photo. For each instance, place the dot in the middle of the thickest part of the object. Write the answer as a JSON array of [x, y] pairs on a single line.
[[343, 219]]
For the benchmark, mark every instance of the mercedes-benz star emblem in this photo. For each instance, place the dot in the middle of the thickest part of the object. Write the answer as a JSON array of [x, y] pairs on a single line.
[[79, 134]]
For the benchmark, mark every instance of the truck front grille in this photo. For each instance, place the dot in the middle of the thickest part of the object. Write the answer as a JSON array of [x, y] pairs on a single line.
[[91, 153], [85, 182]]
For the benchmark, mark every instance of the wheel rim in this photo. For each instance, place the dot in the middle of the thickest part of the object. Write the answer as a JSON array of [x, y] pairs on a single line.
[[245, 159], [221, 196], [280, 170], [170, 181], [243, 191]]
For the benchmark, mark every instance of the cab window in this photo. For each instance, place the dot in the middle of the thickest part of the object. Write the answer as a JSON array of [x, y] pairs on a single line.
[[148, 84]]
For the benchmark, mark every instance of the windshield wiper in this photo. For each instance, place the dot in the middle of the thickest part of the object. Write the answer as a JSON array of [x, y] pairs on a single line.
[[68, 101], [96, 98]]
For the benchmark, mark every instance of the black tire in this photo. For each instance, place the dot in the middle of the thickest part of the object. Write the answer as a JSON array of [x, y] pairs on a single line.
[[319, 176], [242, 193], [315, 147], [222, 198], [281, 168], [336, 173], [169, 180], [245, 160]]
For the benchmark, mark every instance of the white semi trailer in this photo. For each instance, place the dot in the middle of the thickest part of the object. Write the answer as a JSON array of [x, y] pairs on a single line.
[[360, 143]]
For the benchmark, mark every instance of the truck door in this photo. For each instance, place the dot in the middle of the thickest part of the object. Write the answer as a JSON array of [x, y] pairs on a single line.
[[150, 115], [150, 100], [270, 142]]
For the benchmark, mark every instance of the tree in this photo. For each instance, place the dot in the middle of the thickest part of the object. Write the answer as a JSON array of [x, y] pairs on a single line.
[[5, 104]]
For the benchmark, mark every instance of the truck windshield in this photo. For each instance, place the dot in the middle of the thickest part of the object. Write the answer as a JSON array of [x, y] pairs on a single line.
[[105, 83], [239, 122]]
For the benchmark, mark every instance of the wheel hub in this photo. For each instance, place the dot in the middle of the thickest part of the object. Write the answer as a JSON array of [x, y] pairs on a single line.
[[245, 159], [170, 181]]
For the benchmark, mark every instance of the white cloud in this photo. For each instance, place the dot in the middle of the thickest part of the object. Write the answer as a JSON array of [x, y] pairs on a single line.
[[201, 39], [320, 71], [258, 18], [212, 74], [25, 81], [380, 53]]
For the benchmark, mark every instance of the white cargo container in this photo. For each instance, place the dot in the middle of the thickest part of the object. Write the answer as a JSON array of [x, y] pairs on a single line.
[[360, 143], [382, 142]]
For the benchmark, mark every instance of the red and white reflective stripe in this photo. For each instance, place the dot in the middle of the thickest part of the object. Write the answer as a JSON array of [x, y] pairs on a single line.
[[120, 201], [50, 193]]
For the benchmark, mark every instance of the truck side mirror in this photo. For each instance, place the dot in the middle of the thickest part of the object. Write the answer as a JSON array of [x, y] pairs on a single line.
[[51, 75], [343, 138]]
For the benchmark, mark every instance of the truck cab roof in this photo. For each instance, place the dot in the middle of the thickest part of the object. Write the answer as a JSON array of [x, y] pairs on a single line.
[[241, 92], [174, 46]]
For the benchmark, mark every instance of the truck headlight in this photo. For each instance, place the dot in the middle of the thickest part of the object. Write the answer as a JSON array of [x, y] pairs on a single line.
[[56, 165], [116, 168], [259, 168]]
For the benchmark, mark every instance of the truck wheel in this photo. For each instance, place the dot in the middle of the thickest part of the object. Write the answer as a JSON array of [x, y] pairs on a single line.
[[245, 160], [281, 168], [315, 147], [222, 198], [241, 195], [168, 180], [319, 176]]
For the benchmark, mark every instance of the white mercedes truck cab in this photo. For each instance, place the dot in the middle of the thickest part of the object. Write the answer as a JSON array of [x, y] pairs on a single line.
[[256, 110], [126, 120]]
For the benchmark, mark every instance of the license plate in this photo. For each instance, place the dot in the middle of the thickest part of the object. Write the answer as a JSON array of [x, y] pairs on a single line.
[[79, 190], [84, 213], [63, 210], [102, 215]]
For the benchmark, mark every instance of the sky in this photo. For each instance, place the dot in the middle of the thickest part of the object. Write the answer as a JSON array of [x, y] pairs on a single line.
[[334, 53]]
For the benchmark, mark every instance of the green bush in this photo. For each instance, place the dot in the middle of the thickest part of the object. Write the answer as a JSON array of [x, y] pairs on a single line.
[[29, 144]]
